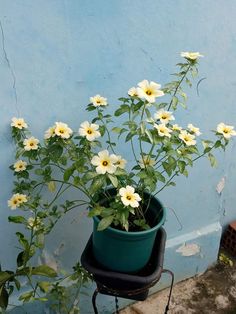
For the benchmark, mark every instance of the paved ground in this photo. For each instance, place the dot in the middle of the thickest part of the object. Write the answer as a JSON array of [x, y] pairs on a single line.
[[212, 292]]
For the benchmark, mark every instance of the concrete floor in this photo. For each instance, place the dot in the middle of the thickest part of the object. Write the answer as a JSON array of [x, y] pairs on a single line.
[[212, 292]]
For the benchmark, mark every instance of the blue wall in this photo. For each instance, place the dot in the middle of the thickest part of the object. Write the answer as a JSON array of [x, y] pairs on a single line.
[[54, 55]]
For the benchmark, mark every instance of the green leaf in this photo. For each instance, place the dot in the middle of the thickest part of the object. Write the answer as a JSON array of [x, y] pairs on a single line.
[[193, 149], [102, 129], [172, 162], [22, 240], [217, 144], [17, 284], [160, 177], [44, 286], [129, 136], [185, 173], [212, 159], [149, 134], [148, 113], [113, 180], [20, 259], [68, 173], [44, 270], [17, 219], [116, 130], [45, 161], [56, 151], [121, 110], [3, 298], [4, 276], [63, 160], [207, 150], [25, 297], [174, 102], [51, 186], [89, 176], [167, 168], [91, 107], [105, 222], [96, 211], [181, 165], [39, 172], [97, 184]]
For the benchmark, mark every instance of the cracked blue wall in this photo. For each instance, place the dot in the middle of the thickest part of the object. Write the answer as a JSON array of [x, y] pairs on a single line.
[[59, 53]]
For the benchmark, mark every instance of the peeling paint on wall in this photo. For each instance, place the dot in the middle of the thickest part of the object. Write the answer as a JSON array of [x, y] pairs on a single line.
[[220, 186], [189, 249], [48, 259]]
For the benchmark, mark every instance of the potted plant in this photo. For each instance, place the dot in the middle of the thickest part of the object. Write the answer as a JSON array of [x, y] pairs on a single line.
[[120, 195]]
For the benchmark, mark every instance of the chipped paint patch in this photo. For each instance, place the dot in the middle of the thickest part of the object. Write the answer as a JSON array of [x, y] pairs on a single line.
[[189, 249], [47, 259], [220, 186]]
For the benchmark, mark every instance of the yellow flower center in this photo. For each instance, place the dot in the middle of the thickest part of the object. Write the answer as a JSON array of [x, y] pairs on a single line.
[[19, 123], [31, 144], [226, 131], [20, 166], [129, 198], [15, 202], [61, 131], [186, 138], [104, 163], [148, 92], [89, 131], [164, 116], [98, 101]]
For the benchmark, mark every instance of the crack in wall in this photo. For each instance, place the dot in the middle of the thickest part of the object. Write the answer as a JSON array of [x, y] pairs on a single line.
[[10, 68]]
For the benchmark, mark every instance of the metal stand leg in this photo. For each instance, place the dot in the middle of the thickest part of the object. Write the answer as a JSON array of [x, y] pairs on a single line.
[[171, 287], [117, 305], [94, 301]]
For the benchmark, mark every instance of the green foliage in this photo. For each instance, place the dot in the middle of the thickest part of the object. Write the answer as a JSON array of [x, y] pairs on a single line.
[[64, 163]]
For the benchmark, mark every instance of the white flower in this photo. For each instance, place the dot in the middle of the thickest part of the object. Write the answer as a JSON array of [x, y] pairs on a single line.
[[163, 130], [164, 116], [146, 161], [31, 143], [226, 130], [187, 138], [121, 162], [50, 132], [90, 131], [62, 130], [129, 197], [194, 129], [149, 91], [16, 200], [191, 55], [19, 123], [98, 101], [20, 165], [34, 223], [104, 162], [133, 91], [176, 127]]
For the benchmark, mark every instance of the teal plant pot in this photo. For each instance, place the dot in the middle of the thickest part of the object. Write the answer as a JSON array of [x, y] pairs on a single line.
[[124, 251]]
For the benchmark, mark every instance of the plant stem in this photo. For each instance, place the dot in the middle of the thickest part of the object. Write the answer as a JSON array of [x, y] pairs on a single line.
[[167, 183], [108, 133], [177, 87], [131, 141]]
